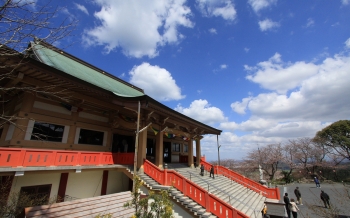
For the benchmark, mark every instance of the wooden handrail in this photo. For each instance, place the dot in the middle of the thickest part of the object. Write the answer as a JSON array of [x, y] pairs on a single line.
[[209, 201], [18, 157], [273, 193]]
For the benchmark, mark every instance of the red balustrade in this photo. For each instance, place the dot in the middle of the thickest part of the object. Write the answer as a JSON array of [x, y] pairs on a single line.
[[210, 202], [17, 157], [273, 193]]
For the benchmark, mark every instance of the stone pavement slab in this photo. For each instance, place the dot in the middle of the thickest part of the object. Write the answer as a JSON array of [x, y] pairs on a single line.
[[313, 206]]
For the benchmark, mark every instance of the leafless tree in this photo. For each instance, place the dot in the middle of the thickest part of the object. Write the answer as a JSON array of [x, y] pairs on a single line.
[[22, 21], [268, 157]]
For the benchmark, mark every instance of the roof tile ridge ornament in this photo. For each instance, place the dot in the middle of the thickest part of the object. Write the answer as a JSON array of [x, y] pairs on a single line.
[[41, 42]]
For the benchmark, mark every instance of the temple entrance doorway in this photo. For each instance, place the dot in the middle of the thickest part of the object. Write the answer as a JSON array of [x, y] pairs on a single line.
[[167, 152], [123, 143]]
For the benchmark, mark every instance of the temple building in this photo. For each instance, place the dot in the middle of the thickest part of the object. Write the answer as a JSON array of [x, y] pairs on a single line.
[[71, 127]]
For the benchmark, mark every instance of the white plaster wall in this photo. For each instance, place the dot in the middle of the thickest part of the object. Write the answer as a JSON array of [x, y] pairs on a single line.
[[117, 182], [32, 179], [85, 184]]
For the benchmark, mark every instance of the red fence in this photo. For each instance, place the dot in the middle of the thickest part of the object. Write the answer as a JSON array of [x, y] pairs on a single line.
[[210, 202], [16, 157], [273, 193]]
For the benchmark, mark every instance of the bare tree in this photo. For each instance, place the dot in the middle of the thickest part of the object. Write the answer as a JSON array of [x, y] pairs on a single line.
[[22, 21], [269, 157]]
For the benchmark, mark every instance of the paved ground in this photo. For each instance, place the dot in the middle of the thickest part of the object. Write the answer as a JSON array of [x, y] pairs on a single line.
[[313, 206]]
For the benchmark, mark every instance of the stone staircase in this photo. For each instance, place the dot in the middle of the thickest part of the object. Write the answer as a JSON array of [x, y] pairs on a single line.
[[240, 197], [192, 207]]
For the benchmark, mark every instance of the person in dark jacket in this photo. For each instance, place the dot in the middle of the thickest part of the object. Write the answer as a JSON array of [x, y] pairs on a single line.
[[298, 196], [317, 182], [325, 198], [212, 172], [202, 170], [287, 202]]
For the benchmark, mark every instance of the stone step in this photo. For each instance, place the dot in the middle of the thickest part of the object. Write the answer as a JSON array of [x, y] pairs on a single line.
[[242, 198]]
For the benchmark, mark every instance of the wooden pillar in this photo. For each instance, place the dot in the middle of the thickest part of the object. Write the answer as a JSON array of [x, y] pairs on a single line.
[[72, 130], [62, 187], [159, 150], [21, 124], [141, 155], [198, 151], [190, 153], [104, 182]]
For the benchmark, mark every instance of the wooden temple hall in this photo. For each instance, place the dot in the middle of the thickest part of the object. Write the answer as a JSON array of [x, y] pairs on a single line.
[[63, 103], [62, 116]]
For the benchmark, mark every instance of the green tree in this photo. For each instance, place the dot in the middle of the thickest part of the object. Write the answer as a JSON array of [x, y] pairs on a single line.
[[154, 205], [336, 136]]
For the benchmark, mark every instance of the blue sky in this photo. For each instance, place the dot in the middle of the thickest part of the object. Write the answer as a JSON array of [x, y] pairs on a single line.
[[263, 71]]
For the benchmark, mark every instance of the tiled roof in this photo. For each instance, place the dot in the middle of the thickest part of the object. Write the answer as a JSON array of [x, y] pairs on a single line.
[[81, 70]]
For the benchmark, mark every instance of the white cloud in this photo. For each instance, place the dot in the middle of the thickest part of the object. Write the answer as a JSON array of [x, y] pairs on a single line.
[[217, 8], [345, 2], [258, 5], [310, 22], [319, 96], [223, 66], [202, 111], [157, 82], [213, 31], [258, 124], [279, 76], [139, 28], [246, 50], [240, 107], [347, 43], [81, 8], [268, 24]]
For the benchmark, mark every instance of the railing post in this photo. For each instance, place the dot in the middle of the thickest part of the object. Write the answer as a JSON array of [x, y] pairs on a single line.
[[165, 174], [53, 158], [184, 184], [207, 202], [21, 160]]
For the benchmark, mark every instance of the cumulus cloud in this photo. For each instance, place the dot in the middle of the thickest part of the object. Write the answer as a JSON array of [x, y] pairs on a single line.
[[217, 8], [213, 31], [258, 124], [202, 111], [319, 95], [139, 28], [347, 43], [157, 82], [279, 76], [81, 8], [240, 107], [258, 5], [268, 24]]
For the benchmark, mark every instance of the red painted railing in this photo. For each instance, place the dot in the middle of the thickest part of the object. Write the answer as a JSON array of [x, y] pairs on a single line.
[[273, 193], [17, 157], [210, 202]]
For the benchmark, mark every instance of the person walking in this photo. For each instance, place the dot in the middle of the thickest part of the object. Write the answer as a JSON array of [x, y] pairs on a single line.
[[202, 170], [298, 196], [286, 202], [264, 211], [317, 182], [293, 208], [212, 172], [325, 198]]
